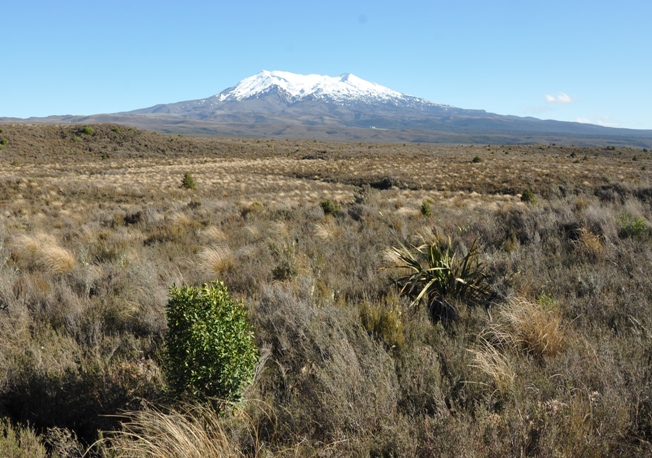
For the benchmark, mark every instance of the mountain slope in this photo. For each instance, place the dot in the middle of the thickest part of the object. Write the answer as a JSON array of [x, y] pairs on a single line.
[[351, 109]]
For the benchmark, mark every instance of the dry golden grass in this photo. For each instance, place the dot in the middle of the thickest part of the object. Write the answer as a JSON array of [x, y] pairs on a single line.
[[527, 325], [216, 260], [195, 431], [328, 229], [491, 362], [57, 259], [589, 243], [41, 250], [352, 372]]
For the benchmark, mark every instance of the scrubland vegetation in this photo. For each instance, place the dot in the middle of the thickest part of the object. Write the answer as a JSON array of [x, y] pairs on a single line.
[[540, 345]]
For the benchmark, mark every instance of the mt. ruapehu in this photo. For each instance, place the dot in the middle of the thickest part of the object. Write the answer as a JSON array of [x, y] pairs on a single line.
[[348, 108]]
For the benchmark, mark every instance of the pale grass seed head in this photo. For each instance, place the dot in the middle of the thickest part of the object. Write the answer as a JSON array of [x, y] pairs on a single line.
[[328, 229], [536, 328], [495, 365], [57, 259], [214, 233], [217, 259], [192, 432], [589, 243]]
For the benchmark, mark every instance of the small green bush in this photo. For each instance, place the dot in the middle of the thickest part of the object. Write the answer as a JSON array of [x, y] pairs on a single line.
[[477, 160], [210, 350], [87, 130], [188, 182], [630, 226], [382, 320], [19, 442], [331, 207], [4, 141], [425, 209], [528, 197]]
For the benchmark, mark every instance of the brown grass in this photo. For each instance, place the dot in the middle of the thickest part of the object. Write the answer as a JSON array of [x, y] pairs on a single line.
[[535, 328], [491, 362], [216, 260], [194, 431], [42, 250], [90, 246]]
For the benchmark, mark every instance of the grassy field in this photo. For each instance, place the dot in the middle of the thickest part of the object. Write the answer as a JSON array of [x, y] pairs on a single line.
[[95, 228]]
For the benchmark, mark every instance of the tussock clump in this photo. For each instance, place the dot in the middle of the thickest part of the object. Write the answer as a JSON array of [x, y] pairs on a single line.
[[191, 431], [58, 260], [491, 362], [42, 251], [214, 233], [530, 326], [327, 229], [589, 243], [216, 260], [382, 320]]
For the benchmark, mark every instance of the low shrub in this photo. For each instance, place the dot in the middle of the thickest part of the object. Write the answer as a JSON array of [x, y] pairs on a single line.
[[87, 130], [17, 442], [210, 350], [331, 207], [528, 197], [188, 182], [631, 226], [425, 209]]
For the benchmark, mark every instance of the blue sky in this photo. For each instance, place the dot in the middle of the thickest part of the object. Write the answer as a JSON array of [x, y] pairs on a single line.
[[567, 60]]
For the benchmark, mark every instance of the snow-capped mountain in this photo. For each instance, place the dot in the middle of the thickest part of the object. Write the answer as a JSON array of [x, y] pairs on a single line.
[[273, 103], [278, 96], [343, 89]]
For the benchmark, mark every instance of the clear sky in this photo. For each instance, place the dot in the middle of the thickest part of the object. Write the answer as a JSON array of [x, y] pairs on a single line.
[[570, 60]]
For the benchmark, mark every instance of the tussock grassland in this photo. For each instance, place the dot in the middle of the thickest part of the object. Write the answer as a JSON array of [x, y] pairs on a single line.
[[94, 229]]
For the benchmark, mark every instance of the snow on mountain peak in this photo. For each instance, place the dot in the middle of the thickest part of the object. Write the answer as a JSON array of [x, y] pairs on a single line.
[[342, 88]]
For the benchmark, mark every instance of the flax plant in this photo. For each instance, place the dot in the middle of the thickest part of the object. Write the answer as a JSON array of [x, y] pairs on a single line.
[[435, 274]]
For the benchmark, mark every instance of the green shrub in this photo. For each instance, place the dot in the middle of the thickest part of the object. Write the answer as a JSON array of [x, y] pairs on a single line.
[[477, 160], [331, 207], [4, 141], [87, 130], [19, 442], [188, 181], [630, 226], [425, 209], [528, 197], [382, 320], [210, 350]]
